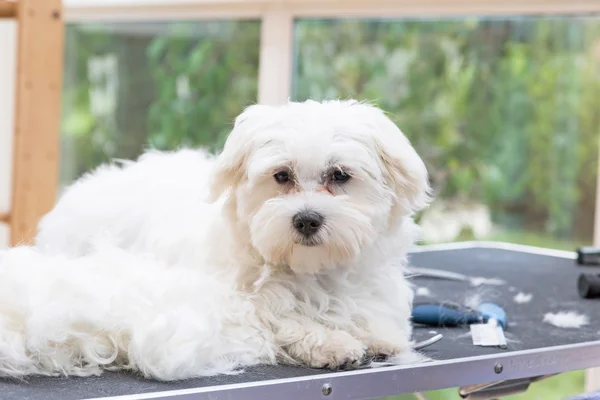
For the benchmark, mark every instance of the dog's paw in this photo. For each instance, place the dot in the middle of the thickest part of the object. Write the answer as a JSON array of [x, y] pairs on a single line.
[[338, 350]]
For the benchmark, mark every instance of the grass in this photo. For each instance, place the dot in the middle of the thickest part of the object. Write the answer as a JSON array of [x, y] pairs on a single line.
[[555, 388]]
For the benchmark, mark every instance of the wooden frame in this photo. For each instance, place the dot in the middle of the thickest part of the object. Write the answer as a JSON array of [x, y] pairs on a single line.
[[8, 9], [8, 37], [276, 42], [80, 10], [37, 113], [278, 15]]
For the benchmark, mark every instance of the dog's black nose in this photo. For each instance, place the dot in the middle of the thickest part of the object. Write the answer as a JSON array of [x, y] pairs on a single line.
[[308, 222]]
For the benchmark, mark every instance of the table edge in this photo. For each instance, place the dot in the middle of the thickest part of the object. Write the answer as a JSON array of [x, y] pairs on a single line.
[[393, 380], [493, 245]]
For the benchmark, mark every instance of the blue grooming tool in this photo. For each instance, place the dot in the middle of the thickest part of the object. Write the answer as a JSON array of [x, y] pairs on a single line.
[[439, 314]]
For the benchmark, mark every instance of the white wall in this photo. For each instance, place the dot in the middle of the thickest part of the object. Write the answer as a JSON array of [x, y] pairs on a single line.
[[8, 35]]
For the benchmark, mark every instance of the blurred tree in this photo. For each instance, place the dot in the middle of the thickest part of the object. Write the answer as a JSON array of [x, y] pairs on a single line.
[[502, 110], [130, 86], [136, 93], [203, 84]]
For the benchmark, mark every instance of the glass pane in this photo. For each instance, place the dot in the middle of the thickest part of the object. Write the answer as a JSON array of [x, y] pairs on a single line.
[[504, 112], [130, 86]]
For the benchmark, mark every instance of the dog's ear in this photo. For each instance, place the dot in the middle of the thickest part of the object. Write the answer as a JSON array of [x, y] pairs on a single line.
[[230, 165], [405, 172]]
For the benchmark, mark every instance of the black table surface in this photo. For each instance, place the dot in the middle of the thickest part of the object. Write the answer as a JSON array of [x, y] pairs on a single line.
[[551, 280]]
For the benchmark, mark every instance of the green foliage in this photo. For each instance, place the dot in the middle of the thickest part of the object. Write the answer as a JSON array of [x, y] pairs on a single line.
[[164, 86], [502, 111], [220, 76]]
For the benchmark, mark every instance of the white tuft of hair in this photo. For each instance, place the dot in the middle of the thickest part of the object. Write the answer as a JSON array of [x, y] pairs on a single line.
[[522, 298], [566, 319], [61, 316]]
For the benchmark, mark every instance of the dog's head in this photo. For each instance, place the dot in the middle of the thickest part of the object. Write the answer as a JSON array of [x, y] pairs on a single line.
[[317, 183]]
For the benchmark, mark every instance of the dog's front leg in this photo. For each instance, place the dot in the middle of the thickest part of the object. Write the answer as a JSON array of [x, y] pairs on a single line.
[[317, 346]]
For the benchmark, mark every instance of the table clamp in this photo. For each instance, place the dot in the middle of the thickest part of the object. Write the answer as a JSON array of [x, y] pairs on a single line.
[[499, 389]]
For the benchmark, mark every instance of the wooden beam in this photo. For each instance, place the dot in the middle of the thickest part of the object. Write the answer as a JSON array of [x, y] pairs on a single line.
[[37, 115], [115, 10], [8, 9], [8, 61], [438, 8], [275, 65]]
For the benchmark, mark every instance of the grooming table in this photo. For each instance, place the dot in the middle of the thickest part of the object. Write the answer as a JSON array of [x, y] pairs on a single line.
[[535, 348]]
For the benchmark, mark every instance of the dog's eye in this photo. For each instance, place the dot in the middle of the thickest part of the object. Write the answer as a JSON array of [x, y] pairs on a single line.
[[340, 176], [282, 177]]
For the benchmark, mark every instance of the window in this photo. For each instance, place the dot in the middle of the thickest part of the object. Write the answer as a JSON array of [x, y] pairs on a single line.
[[504, 112], [130, 86]]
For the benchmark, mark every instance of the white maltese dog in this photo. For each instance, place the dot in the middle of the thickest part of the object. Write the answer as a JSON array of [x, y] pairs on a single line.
[[288, 247]]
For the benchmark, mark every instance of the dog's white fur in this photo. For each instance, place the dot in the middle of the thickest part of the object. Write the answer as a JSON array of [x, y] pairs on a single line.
[[136, 269]]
